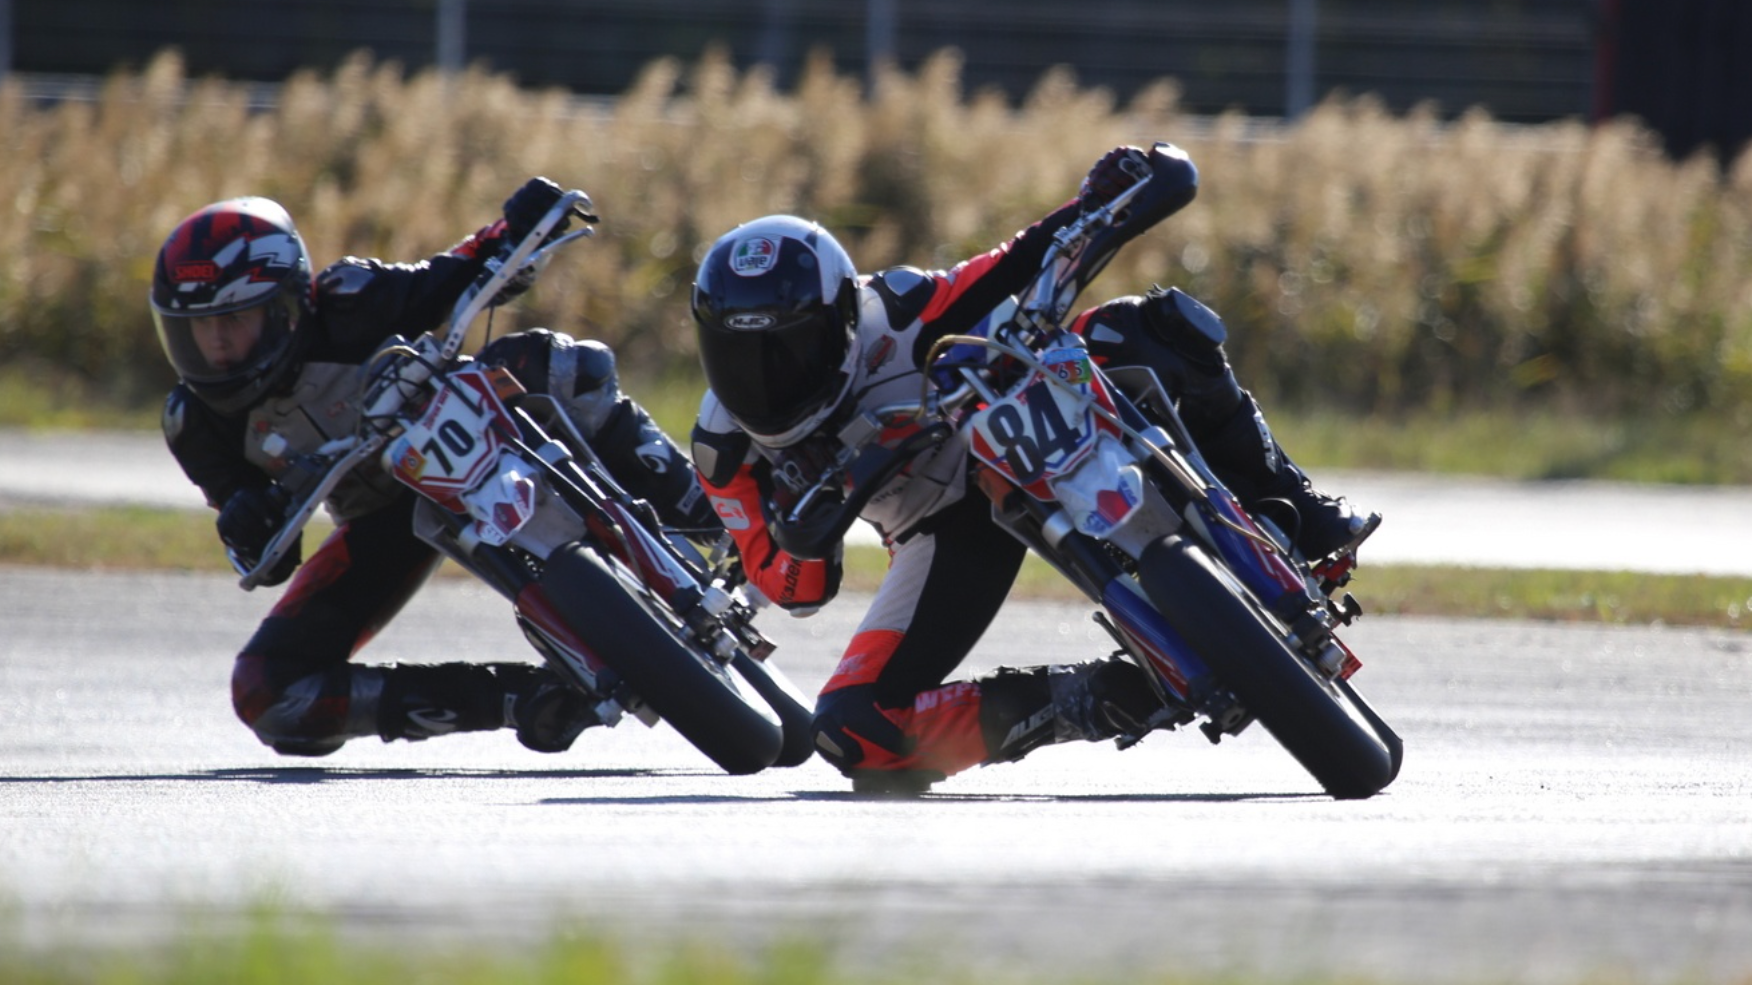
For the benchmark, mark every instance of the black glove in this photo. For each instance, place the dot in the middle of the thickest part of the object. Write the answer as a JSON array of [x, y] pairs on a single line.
[[797, 467], [1109, 176], [250, 519], [528, 204]]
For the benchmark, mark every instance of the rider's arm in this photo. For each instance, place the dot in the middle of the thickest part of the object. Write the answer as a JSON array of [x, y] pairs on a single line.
[[209, 448], [730, 473], [970, 290], [364, 300], [791, 583], [963, 295]]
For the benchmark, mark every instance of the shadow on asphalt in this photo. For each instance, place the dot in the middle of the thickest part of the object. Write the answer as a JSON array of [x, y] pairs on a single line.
[[322, 774], [1118, 798]]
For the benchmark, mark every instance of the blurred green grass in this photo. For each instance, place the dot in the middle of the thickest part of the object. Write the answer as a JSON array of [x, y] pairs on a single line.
[[140, 539], [1527, 444]]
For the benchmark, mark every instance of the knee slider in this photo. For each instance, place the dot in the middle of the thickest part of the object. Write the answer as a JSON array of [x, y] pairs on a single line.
[[849, 727], [309, 715], [305, 747], [580, 374], [1179, 320], [584, 378]]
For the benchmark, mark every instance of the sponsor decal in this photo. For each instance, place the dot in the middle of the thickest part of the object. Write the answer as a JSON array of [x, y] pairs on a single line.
[[952, 694], [655, 456], [793, 577], [730, 511], [883, 351], [172, 421], [753, 256], [1028, 726], [1112, 506], [433, 721], [1070, 365], [749, 322], [507, 517], [410, 464], [1115, 505], [195, 272]]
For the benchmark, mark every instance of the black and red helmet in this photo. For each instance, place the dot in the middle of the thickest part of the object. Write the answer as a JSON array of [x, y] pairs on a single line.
[[231, 256], [775, 304]]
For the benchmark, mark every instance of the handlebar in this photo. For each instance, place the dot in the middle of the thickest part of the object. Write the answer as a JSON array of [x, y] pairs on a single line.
[[500, 270], [415, 365], [817, 533], [1167, 183], [1081, 250]]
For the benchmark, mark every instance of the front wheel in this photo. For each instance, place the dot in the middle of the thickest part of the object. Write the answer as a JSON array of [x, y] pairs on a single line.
[[720, 713], [792, 707], [1321, 723]]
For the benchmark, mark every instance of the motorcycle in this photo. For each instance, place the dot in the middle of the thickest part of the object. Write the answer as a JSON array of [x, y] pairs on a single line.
[[1097, 474], [641, 619]]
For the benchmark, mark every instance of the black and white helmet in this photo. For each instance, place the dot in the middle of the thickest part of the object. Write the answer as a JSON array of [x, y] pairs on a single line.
[[775, 303]]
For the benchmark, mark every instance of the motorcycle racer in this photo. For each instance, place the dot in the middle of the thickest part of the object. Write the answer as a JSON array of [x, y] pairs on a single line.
[[796, 344], [268, 358]]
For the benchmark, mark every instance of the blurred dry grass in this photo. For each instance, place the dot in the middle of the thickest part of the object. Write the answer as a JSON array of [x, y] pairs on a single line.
[[1366, 262]]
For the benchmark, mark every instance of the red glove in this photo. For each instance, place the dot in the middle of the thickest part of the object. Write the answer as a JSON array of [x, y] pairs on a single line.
[[1110, 176]]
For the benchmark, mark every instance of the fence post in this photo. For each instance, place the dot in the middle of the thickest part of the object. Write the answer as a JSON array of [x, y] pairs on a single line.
[[879, 31], [1299, 58], [5, 38], [452, 35]]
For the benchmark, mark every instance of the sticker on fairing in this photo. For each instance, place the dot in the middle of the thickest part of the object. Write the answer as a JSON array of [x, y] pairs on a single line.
[[1070, 364]]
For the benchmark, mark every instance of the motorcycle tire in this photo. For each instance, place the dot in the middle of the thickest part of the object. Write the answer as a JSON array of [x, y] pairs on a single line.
[[1323, 724], [792, 708], [712, 707]]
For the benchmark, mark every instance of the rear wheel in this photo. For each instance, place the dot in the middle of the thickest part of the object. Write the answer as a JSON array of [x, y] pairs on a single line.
[[723, 715], [1322, 723]]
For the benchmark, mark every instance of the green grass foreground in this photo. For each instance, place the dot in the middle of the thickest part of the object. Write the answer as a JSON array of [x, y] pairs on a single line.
[[285, 950], [136, 539]]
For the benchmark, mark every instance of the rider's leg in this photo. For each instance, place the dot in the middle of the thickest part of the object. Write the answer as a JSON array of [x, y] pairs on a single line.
[[1181, 342], [886, 718], [581, 374], [295, 687]]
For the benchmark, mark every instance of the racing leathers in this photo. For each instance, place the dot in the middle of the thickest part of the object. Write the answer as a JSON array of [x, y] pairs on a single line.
[[293, 683], [887, 717]]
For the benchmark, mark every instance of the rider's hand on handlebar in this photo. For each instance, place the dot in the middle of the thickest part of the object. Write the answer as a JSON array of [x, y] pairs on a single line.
[[1118, 170], [798, 467], [528, 204], [248, 523]]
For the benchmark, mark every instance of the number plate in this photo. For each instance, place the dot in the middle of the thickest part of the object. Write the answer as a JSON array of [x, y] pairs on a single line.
[[454, 444], [1040, 430]]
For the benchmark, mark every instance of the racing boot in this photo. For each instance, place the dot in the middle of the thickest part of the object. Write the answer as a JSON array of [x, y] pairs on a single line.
[[1250, 462], [548, 713], [422, 701], [1021, 710]]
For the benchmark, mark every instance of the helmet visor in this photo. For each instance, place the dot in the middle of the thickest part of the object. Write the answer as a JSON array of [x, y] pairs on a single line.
[[207, 348], [773, 379]]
